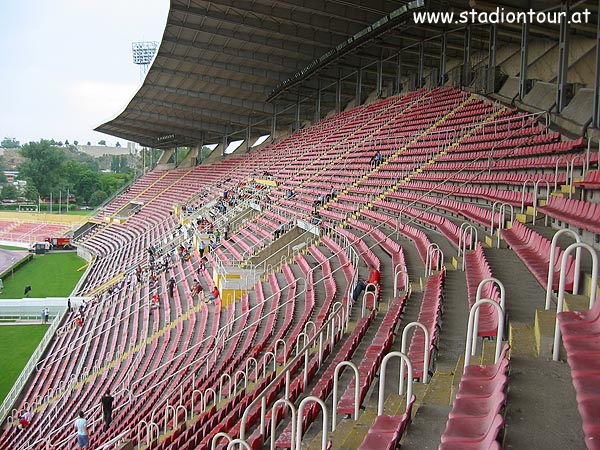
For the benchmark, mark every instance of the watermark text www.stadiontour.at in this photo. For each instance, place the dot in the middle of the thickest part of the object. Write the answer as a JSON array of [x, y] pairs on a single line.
[[500, 16]]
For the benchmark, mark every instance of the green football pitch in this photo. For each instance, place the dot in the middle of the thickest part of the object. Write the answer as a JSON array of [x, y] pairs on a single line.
[[17, 343], [50, 275]]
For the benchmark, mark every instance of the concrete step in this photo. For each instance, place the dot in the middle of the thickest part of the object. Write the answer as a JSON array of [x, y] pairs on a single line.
[[522, 340], [544, 332]]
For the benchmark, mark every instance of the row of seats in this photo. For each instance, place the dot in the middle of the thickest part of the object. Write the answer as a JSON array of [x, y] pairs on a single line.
[[475, 419], [580, 336]]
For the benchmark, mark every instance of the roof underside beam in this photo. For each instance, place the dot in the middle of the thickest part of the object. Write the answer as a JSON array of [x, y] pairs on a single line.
[[278, 63], [283, 30], [251, 105], [237, 68], [282, 45], [261, 90]]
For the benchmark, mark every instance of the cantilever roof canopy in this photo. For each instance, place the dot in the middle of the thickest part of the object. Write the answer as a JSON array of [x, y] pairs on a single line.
[[226, 64]]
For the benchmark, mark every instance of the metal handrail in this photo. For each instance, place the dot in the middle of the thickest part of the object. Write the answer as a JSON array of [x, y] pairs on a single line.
[[551, 263], [336, 381], [425, 350], [561, 288], [473, 326], [478, 297], [325, 430], [382, 376]]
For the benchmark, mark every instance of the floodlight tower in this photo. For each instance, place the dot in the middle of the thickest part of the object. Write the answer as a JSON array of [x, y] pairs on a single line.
[[143, 52]]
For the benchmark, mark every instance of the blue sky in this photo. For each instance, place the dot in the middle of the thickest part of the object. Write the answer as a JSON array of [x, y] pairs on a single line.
[[66, 65]]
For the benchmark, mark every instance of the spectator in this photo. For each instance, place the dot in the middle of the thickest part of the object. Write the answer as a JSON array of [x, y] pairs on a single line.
[[83, 440], [171, 286], [214, 294], [374, 278], [279, 231], [155, 300], [226, 232], [27, 290], [69, 307], [197, 289], [107, 407], [25, 420], [1, 285], [316, 219], [46, 314], [201, 248], [376, 159]]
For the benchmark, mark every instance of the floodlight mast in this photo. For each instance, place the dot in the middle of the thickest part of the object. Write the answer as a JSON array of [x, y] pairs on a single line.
[[143, 52]]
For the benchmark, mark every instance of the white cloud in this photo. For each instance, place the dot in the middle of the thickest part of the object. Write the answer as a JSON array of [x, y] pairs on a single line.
[[99, 100]]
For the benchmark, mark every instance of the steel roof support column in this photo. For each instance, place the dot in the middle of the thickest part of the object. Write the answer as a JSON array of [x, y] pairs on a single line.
[[225, 139], [420, 68], [491, 78], [524, 60], [563, 58], [466, 79], [273, 123], [359, 86], [338, 93], [318, 103], [379, 77], [596, 112], [443, 58], [297, 119], [248, 136], [398, 74]]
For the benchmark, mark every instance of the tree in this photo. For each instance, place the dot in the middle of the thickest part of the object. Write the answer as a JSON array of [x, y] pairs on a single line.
[[75, 142], [66, 142], [9, 143], [31, 192], [110, 182], [89, 143], [44, 165], [118, 144], [97, 197], [102, 142], [9, 192], [87, 185]]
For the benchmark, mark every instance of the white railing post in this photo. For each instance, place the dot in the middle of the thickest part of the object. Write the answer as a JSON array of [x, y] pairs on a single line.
[[552, 260], [528, 180], [478, 297], [274, 421], [335, 391], [535, 196], [382, 375], [299, 430], [426, 352], [561, 288], [473, 326]]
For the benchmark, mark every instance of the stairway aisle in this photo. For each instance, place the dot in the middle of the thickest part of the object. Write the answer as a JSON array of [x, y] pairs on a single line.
[[523, 293], [541, 409], [427, 426]]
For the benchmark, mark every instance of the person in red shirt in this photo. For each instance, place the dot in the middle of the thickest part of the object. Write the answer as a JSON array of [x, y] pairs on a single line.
[[214, 294], [374, 278]]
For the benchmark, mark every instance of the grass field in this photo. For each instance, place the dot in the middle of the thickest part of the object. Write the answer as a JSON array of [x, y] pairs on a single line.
[[17, 342], [10, 247], [50, 275]]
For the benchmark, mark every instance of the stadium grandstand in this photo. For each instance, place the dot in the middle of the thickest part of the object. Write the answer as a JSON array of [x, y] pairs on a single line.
[[409, 259]]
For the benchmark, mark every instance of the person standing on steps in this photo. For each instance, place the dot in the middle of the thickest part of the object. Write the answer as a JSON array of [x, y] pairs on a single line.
[[107, 407], [83, 439], [171, 286]]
